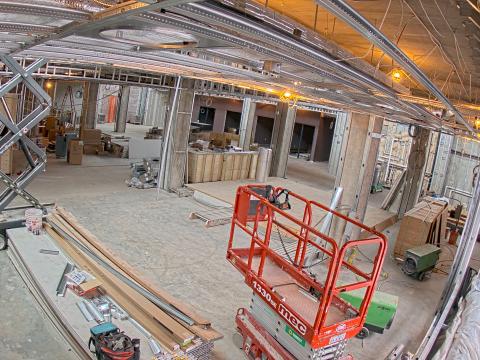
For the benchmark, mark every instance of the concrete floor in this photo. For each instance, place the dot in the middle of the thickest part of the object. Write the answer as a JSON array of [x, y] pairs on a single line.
[[178, 254]]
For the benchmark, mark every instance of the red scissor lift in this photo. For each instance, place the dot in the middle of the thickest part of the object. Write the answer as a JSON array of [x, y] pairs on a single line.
[[310, 307]]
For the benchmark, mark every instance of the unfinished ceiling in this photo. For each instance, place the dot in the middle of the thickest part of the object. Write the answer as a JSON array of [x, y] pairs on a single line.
[[264, 50], [441, 36]]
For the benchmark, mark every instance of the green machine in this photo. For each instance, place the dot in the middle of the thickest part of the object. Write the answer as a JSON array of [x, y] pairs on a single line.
[[420, 260], [380, 313]]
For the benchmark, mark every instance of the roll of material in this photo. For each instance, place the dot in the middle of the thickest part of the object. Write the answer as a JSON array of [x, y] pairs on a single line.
[[264, 163]]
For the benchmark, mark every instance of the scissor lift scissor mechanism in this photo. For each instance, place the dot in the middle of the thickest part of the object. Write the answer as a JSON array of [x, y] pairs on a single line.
[[15, 130]]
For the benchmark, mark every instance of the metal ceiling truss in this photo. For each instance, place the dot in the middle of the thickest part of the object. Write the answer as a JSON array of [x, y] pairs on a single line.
[[347, 75], [124, 77], [343, 11], [252, 28], [103, 19], [57, 12], [16, 131], [98, 73], [199, 28]]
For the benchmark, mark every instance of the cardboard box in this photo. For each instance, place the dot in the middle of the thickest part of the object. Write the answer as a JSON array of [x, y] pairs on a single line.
[[92, 136], [50, 123], [89, 149], [19, 161], [44, 141], [6, 162], [75, 152], [52, 134]]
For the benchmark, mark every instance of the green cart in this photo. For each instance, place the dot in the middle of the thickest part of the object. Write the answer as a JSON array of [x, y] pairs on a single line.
[[381, 311]]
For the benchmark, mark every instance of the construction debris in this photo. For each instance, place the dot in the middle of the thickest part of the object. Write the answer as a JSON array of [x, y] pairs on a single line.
[[144, 174]]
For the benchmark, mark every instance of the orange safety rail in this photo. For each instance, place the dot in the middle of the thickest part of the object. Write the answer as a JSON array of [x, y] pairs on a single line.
[[311, 307]]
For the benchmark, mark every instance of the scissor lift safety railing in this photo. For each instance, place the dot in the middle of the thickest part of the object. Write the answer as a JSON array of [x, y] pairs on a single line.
[[16, 130], [318, 314]]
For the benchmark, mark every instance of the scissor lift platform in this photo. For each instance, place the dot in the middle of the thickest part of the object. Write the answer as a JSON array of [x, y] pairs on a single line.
[[285, 278]]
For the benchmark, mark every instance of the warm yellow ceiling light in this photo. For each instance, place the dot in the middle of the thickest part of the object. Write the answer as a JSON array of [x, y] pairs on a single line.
[[48, 85], [477, 123], [397, 75], [287, 94]]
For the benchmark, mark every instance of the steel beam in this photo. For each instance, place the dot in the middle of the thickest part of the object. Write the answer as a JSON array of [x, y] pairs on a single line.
[[345, 12], [32, 9], [353, 78], [104, 19]]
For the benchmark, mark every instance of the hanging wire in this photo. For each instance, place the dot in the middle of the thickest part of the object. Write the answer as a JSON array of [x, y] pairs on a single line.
[[379, 27]]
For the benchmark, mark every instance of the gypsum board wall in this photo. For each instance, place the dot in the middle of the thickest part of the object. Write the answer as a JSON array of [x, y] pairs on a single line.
[[56, 319], [88, 236], [121, 294], [203, 331], [184, 335]]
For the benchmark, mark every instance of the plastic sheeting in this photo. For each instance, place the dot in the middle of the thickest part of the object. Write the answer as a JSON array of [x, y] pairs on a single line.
[[463, 337]]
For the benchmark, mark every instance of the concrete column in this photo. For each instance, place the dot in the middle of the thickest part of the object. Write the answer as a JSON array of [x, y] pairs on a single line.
[[156, 108], [121, 121], [246, 123], [417, 162], [282, 138], [219, 120], [179, 131], [91, 106], [358, 159]]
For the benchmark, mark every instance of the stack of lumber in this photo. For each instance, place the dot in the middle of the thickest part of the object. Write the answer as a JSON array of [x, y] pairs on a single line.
[[426, 223], [180, 332], [208, 166], [178, 329]]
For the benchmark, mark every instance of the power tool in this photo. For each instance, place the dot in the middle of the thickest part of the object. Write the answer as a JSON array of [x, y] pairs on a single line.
[[112, 344]]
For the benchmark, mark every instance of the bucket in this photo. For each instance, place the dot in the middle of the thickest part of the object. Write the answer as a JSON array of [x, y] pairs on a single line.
[[33, 220]]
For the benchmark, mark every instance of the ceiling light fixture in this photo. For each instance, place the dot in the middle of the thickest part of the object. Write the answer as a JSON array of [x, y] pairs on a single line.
[[396, 75], [477, 123], [48, 85]]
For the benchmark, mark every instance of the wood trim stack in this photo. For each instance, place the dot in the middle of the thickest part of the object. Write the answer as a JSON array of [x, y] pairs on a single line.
[[171, 332]]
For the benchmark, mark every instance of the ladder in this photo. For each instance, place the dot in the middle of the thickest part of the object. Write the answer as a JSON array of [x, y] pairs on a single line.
[[16, 130]]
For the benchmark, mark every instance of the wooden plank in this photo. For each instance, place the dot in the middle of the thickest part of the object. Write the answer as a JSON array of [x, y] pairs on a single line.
[[207, 174], [147, 322], [253, 166], [217, 167], [128, 270], [237, 166], [443, 227], [245, 167], [166, 320], [201, 328], [129, 298]]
